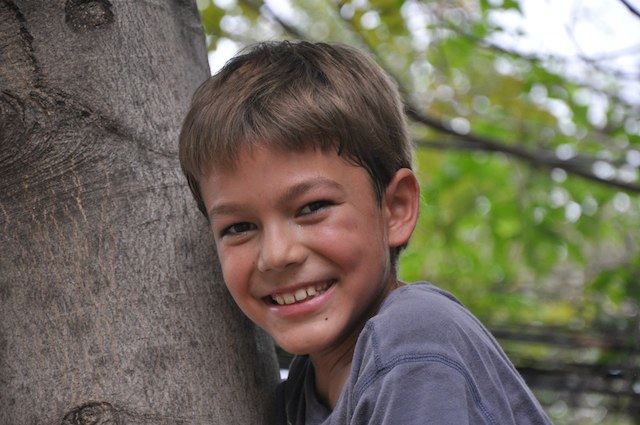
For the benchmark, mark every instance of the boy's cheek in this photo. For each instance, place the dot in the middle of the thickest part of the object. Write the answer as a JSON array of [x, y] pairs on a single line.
[[226, 269], [233, 273]]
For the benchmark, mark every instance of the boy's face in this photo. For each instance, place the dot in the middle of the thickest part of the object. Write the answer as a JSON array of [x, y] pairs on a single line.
[[303, 245]]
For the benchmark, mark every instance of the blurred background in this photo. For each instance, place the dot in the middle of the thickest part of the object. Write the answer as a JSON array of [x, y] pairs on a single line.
[[525, 117]]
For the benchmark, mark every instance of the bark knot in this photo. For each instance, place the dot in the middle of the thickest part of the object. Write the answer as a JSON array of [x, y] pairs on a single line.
[[84, 15], [92, 413]]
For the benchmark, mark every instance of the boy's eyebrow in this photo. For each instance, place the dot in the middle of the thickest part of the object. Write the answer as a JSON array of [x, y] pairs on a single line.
[[289, 194], [222, 209], [299, 189]]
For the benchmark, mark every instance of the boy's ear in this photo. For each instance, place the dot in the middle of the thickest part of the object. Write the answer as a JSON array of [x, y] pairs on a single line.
[[401, 202]]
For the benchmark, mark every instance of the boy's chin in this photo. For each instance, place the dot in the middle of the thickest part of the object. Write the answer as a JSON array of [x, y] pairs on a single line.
[[304, 348], [295, 349]]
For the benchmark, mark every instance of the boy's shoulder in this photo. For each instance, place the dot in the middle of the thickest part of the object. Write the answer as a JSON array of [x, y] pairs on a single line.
[[422, 306], [418, 295], [422, 318]]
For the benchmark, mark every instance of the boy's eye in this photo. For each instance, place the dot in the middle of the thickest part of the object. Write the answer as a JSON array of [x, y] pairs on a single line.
[[312, 207], [238, 229]]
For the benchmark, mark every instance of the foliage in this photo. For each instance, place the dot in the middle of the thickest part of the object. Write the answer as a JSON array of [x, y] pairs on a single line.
[[529, 168]]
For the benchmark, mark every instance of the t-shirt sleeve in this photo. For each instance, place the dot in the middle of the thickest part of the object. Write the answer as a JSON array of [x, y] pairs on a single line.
[[423, 390]]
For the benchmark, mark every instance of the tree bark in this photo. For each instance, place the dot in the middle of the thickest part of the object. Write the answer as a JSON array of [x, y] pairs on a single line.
[[112, 307]]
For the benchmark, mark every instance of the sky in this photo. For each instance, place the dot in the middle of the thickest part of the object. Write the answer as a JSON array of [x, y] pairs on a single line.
[[590, 28], [604, 31]]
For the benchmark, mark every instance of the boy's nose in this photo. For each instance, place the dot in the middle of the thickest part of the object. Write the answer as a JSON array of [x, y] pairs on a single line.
[[279, 249]]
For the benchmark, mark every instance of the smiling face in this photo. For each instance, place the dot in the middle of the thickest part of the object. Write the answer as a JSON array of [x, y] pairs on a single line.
[[304, 244]]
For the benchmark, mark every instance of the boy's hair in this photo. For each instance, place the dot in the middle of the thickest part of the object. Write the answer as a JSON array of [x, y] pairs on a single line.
[[296, 96]]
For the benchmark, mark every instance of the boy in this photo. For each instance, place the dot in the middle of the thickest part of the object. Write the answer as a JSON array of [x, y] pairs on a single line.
[[299, 156]]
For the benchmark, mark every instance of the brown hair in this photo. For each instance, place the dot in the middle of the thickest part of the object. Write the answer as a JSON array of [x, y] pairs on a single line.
[[297, 96]]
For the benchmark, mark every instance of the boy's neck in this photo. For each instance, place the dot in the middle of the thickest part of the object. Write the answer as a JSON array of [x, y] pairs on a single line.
[[330, 375], [331, 369]]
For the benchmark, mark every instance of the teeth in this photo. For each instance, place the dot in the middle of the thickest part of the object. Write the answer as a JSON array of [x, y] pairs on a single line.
[[300, 295]]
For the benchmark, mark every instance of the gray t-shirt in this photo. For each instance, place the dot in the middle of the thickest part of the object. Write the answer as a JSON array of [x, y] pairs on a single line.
[[422, 359]]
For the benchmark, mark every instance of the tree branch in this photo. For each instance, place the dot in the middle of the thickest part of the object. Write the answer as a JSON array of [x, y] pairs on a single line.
[[629, 6], [264, 9], [539, 157]]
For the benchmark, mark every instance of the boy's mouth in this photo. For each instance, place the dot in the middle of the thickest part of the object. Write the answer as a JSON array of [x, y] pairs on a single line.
[[301, 294]]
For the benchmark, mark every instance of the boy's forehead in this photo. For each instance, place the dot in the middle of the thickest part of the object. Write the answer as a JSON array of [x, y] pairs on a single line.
[[252, 153], [270, 159]]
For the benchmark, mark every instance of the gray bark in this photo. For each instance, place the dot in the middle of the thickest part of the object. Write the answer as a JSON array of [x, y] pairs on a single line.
[[112, 308]]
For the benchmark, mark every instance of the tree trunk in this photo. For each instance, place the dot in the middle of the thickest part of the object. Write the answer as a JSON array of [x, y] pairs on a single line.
[[112, 308]]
